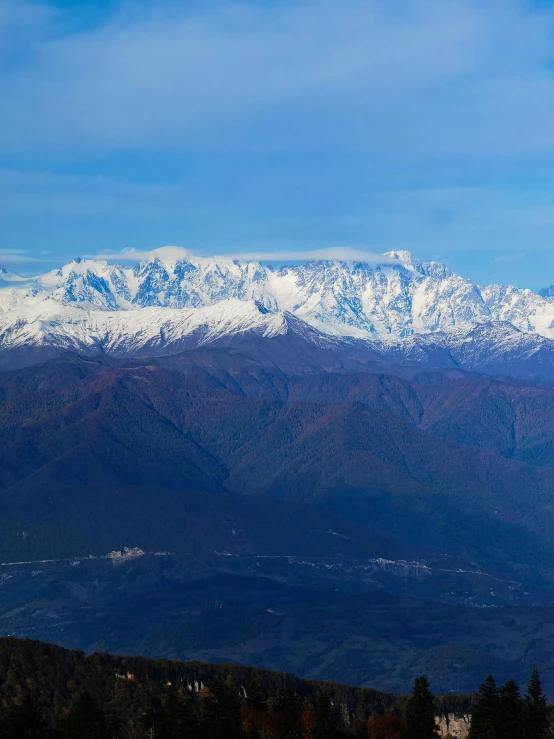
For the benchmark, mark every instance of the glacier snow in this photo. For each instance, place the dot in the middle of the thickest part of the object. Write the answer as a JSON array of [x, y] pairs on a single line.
[[400, 298]]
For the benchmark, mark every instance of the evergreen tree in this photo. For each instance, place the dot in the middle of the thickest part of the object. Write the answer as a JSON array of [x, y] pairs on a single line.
[[419, 713], [180, 720], [509, 724], [288, 709], [255, 695], [85, 719], [153, 716], [535, 711], [484, 712], [24, 721], [221, 717], [325, 719]]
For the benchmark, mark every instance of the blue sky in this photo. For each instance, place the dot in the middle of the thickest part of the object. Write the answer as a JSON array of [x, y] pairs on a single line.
[[280, 127]]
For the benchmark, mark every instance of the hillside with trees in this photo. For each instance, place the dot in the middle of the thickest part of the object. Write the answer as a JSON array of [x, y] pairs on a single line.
[[47, 692]]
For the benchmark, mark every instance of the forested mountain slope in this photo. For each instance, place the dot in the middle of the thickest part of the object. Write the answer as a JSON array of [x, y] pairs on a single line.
[[363, 448], [340, 477]]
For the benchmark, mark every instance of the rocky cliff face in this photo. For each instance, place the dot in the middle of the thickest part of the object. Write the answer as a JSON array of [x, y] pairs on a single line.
[[456, 727]]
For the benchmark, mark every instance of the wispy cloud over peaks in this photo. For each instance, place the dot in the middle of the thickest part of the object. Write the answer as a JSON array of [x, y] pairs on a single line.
[[339, 253], [176, 253], [130, 254]]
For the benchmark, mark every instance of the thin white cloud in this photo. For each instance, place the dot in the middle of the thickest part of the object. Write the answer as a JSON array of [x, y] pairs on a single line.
[[341, 253], [19, 256], [176, 253], [503, 258], [130, 254]]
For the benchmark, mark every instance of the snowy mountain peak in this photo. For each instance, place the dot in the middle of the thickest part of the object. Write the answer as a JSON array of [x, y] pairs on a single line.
[[397, 298], [547, 292], [402, 256], [7, 275]]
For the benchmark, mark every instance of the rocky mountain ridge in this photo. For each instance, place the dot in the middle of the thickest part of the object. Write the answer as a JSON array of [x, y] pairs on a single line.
[[395, 298], [398, 311], [35, 334]]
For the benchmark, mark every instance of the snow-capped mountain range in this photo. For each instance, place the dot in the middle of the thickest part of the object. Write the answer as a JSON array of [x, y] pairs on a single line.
[[399, 307]]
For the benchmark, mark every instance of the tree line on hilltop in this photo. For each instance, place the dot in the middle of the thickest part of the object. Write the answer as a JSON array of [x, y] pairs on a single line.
[[47, 692], [502, 713]]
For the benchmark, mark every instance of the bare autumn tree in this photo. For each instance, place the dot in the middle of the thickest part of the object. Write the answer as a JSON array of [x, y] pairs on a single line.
[[385, 727]]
